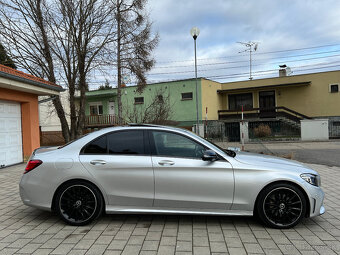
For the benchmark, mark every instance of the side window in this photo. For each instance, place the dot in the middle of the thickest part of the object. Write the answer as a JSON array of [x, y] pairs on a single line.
[[126, 142], [174, 145], [97, 146]]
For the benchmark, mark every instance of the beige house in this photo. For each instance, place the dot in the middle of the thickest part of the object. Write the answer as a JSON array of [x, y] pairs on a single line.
[[284, 98]]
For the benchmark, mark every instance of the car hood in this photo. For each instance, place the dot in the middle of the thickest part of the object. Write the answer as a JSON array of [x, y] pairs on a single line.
[[261, 159]]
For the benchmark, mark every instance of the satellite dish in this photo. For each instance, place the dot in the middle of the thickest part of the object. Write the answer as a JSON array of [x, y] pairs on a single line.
[[289, 70]]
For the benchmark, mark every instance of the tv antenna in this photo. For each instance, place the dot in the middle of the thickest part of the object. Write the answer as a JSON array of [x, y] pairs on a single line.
[[251, 46]]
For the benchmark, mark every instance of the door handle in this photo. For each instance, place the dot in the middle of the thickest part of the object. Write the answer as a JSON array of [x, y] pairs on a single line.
[[97, 162], [166, 162]]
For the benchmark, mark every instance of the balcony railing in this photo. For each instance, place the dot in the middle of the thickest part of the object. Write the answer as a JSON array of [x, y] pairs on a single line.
[[259, 113], [104, 120]]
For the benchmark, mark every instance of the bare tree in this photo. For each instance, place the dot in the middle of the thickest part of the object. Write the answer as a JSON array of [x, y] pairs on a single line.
[[158, 111], [67, 39], [134, 44], [23, 30], [73, 34], [83, 29]]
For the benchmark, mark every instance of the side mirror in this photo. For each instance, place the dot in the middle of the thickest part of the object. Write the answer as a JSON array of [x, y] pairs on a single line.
[[209, 155]]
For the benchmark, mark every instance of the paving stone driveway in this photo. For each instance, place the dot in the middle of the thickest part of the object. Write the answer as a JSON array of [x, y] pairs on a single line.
[[25, 230]]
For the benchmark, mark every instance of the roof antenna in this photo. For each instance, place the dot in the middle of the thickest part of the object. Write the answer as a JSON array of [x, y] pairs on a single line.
[[251, 46]]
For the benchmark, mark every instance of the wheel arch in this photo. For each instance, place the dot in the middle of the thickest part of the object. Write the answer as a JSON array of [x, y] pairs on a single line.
[[286, 182], [75, 181]]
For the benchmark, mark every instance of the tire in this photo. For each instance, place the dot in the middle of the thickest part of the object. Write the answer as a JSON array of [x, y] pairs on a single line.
[[281, 205], [79, 203]]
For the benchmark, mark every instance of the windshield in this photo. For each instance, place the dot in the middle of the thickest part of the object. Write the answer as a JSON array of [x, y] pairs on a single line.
[[230, 153]]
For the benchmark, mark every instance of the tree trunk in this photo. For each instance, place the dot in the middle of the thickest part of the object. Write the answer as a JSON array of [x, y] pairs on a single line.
[[81, 112], [82, 88], [73, 113], [61, 114], [51, 77]]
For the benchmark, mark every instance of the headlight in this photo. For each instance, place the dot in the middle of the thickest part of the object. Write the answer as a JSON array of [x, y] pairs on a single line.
[[312, 179]]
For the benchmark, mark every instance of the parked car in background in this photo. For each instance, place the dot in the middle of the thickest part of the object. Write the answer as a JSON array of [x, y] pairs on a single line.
[[157, 169]]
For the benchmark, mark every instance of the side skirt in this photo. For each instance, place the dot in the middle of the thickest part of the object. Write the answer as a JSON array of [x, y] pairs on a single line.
[[147, 210]]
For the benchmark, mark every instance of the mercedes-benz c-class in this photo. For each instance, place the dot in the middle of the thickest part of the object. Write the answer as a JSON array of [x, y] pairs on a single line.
[[157, 169]]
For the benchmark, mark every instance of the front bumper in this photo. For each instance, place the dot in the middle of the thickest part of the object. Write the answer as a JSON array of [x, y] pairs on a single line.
[[316, 197]]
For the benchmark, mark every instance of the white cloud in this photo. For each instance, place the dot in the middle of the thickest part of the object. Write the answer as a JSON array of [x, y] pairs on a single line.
[[277, 25]]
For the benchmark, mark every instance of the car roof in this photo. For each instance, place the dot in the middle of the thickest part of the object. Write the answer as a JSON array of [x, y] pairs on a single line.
[[136, 125]]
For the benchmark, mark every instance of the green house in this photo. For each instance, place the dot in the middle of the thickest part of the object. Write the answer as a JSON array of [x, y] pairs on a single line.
[[101, 105]]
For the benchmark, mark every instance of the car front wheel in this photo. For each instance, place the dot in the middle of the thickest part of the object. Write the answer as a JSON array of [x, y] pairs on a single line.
[[78, 203], [281, 205]]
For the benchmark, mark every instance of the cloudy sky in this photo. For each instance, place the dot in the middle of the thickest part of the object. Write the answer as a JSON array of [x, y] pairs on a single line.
[[304, 34]]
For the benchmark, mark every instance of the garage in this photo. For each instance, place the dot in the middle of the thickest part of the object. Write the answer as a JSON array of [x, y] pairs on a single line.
[[10, 133], [19, 113]]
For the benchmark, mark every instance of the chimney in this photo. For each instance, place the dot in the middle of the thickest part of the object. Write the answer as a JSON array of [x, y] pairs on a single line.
[[282, 71]]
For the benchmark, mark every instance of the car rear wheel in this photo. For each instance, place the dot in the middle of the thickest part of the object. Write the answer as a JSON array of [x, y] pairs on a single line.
[[281, 205], [79, 203]]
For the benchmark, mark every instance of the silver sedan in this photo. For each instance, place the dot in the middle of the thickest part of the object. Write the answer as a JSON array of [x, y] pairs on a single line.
[[155, 169]]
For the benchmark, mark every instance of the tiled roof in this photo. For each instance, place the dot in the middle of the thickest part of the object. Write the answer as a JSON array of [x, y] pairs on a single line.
[[38, 81]]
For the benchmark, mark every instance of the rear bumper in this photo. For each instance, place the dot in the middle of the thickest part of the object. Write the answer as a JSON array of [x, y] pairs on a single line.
[[32, 195]]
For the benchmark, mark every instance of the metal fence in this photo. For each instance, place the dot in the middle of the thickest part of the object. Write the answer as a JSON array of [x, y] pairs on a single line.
[[214, 131], [218, 131], [259, 130], [273, 130], [334, 128]]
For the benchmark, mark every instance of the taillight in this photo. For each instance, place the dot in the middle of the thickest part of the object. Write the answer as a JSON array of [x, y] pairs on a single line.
[[32, 164]]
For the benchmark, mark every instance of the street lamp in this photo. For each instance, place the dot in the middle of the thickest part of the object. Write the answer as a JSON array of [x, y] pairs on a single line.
[[194, 33]]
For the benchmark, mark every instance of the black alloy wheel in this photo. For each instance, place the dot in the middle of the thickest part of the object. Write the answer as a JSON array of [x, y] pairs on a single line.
[[281, 205], [79, 203]]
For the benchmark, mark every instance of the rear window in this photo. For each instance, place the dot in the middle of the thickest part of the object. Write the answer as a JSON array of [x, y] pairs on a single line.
[[97, 146], [126, 142]]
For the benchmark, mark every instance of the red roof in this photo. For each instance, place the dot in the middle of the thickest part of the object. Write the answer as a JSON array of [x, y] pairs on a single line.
[[20, 74]]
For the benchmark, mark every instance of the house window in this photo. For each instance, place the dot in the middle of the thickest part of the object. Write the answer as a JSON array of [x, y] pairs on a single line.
[[96, 109], [238, 100], [334, 88], [187, 96], [139, 100]]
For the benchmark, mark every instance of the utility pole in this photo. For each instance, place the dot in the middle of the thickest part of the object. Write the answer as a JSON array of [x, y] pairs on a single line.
[[195, 33], [251, 46]]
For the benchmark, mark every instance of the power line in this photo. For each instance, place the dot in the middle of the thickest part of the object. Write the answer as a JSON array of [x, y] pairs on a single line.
[[233, 67], [256, 73], [243, 61], [246, 66], [276, 70], [268, 52], [245, 74], [256, 60]]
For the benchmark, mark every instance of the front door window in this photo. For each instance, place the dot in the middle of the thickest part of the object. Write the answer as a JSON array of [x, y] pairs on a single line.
[[174, 145]]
